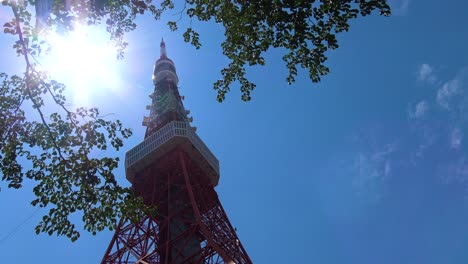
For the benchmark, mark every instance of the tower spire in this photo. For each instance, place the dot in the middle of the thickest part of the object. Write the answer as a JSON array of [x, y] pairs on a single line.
[[163, 49]]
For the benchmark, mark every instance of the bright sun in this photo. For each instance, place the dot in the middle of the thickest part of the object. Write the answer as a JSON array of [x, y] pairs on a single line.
[[85, 61]]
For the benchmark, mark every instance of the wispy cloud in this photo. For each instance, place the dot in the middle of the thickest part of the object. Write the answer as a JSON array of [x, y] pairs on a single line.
[[426, 73], [431, 143], [372, 170], [399, 7], [456, 171], [419, 110], [427, 138], [359, 174], [447, 91], [452, 95], [456, 137], [387, 168], [442, 137]]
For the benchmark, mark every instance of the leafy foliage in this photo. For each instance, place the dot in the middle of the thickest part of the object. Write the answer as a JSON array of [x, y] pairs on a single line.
[[57, 148], [306, 29]]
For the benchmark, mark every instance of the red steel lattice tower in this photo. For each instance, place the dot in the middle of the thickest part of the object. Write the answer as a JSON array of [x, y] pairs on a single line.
[[173, 170]]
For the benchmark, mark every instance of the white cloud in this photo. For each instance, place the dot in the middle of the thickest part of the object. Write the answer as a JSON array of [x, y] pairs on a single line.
[[360, 175], [387, 169], [453, 100], [373, 169], [384, 152], [399, 7], [419, 110], [447, 91], [456, 137], [451, 95], [455, 172], [426, 73], [428, 138]]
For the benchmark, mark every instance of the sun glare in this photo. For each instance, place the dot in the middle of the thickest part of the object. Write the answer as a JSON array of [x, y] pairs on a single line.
[[85, 61]]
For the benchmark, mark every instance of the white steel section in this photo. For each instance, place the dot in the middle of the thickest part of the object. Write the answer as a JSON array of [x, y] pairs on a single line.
[[161, 61], [163, 135]]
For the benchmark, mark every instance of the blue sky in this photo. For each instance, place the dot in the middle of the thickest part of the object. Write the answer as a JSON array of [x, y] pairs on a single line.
[[369, 166]]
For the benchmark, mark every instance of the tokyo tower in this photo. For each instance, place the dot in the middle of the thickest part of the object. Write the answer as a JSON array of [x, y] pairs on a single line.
[[173, 170]]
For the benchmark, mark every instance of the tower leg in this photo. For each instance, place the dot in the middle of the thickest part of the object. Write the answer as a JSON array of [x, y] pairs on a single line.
[[190, 226]]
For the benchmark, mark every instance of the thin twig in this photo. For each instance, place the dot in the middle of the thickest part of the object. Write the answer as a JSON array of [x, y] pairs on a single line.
[[27, 82], [181, 13]]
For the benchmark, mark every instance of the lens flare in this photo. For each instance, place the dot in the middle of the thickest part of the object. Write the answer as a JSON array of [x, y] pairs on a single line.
[[85, 61]]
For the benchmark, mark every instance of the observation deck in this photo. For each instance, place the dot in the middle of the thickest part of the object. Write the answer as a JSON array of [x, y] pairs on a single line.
[[168, 137]]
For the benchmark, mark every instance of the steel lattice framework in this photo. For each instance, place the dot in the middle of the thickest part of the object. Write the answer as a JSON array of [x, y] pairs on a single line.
[[173, 170]]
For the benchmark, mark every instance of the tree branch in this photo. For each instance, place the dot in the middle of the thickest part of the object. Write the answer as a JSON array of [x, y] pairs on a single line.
[[28, 80], [181, 13]]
